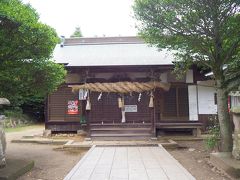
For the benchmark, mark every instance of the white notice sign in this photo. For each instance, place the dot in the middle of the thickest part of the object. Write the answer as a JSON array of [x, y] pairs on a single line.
[[130, 108]]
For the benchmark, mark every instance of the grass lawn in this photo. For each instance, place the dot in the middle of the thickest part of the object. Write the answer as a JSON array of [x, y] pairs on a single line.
[[23, 128]]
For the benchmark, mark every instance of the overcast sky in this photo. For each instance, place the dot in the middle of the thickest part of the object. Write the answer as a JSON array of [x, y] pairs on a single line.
[[94, 17]]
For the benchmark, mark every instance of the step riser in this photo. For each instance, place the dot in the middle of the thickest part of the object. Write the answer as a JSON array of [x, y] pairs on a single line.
[[119, 123], [126, 138], [120, 126], [121, 135], [119, 131]]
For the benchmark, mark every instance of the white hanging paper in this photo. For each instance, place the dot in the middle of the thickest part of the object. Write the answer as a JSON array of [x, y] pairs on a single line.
[[139, 97], [100, 96], [123, 116], [82, 94], [85, 94]]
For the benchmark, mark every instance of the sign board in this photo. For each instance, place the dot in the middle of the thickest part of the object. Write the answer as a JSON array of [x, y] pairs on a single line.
[[130, 108], [73, 107], [193, 106]]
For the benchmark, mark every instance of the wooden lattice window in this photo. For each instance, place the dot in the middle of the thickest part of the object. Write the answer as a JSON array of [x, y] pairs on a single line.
[[176, 103]]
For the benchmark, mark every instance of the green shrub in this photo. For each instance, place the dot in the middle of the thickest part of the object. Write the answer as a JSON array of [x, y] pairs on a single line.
[[13, 113], [15, 118], [213, 139]]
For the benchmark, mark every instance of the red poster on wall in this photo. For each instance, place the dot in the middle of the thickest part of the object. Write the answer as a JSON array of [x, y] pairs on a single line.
[[73, 107]]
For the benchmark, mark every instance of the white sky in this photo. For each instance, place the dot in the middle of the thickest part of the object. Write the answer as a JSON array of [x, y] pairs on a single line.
[[94, 17]]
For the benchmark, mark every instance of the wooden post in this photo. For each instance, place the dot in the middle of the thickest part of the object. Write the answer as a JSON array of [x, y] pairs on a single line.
[[88, 123], [153, 117], [153, 114], [87, 114]]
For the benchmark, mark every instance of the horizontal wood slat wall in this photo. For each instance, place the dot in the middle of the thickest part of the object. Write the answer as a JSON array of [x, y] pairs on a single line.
[[57, 105]]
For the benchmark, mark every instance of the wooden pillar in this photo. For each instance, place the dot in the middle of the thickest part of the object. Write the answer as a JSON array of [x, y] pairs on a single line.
[[87, 115], [88, 123], [153, 119]]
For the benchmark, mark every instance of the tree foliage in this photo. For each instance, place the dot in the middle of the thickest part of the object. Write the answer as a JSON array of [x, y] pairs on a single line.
[[26, 45], [202, 32], [21, 81], [77, 32], [22, 36]]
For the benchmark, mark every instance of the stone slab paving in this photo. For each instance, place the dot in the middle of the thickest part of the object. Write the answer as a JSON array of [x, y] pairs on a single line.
[[128, 163]]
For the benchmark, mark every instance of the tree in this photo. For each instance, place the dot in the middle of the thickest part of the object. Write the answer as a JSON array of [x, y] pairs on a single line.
[[26, 45], [202, 32], [23, 82], [22, 36], [77, 33]]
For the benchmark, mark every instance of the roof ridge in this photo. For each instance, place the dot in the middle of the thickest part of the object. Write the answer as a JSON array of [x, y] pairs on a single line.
[[102, 40], [103, 37], [102, 43]]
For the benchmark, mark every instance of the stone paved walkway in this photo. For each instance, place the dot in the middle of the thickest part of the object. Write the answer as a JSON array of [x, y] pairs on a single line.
[[128, 163]]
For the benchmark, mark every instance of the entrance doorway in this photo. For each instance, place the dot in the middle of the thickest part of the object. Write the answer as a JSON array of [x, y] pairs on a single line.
[[106, 109]]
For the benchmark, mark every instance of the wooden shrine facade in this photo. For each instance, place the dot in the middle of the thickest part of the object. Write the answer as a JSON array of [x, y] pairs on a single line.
[[170, 105], [123, 86]]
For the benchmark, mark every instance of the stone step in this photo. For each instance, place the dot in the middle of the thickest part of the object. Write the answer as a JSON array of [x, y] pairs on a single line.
[[120, 135], [120, 125], [125, 136], [120, 130]]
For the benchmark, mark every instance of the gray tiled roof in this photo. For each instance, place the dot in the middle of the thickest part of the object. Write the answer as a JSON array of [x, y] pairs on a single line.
[[110, 52]]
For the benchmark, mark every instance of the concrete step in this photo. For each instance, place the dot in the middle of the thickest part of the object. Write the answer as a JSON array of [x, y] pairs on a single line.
[[120, 125], [125, 136], [121, 135], [120, 130]]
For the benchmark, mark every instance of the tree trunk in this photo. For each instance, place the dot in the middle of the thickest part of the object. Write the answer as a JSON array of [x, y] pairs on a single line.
[[224, 120]]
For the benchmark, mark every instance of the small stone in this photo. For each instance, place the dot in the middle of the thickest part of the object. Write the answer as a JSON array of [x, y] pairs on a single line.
[[199, 161], [191, 149]]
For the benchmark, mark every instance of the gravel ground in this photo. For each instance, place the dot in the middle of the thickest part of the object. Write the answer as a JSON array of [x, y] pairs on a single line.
[[195, 158], [50, 162]]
